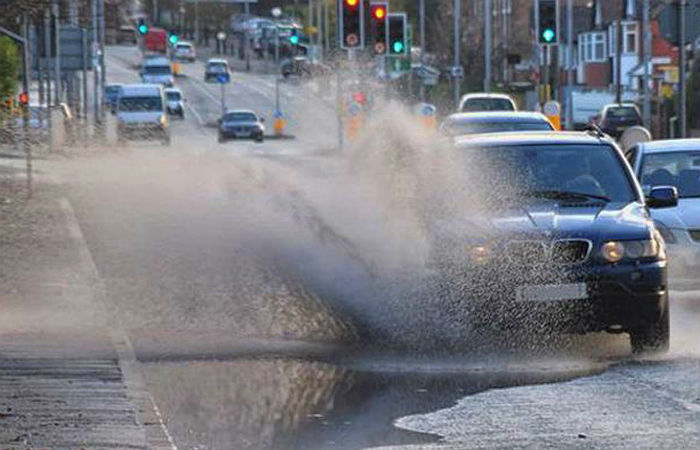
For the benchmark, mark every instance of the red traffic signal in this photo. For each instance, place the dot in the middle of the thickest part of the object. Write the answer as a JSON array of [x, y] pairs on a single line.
[[351, 20], [23, 98], [379, 12], [359, 97]]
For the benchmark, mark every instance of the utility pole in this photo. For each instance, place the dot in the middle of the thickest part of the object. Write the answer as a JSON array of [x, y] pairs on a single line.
[[196, 22], [646, 32], [457, 49], [682, 119], [570, 65], [319, 30], [155, 12], [487, 45], [47, 73], [618, 62], [57, 59], [326, 28], [96, 79], [103, 71], [538, 49], [421, 18], [247, 40]]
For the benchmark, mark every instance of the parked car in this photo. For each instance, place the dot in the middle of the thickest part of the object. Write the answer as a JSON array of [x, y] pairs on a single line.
[[184, 51], [141, 113], [675, 163], [214, 68], [615, 118], [494, 122], [112, 94], [303, 67], [486, 102], [241, 124], [175, 102], [565, 241]]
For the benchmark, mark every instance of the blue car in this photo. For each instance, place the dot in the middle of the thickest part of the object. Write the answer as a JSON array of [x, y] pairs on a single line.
[[561, 238]]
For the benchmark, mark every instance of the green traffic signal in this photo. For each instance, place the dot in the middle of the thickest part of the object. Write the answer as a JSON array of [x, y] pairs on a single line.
[[143, 29], [173, 38], [397, 47], [294, 39], [548, 35]]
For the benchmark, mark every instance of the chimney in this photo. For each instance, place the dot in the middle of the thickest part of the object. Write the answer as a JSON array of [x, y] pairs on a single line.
[[630, 9]]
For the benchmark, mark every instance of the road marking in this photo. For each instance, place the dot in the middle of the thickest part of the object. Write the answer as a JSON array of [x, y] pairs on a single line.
[[126, 357], [196, 115]]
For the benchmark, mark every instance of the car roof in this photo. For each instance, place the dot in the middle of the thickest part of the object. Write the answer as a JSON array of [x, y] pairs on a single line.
[[140, 89], [497, 116], [670, 145], [172, 89], [184, 43], [532, 138], [486, 95], [240, 111], [216, 60]]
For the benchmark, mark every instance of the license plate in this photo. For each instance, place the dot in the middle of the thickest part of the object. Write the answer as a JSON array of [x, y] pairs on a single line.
[[242, 134], [552, 292]]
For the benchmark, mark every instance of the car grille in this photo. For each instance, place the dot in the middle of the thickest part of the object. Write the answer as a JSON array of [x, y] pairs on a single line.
[[573, 251], [695, 234], [570, 252]]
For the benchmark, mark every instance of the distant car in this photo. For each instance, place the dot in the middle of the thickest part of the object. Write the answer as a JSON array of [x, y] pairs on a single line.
[[494, 122], [615, 118], [303, 67], [141, 113], [241, 124], [175, 102], [675, 163], [562, 239], [214, 68], [478, 102], [112, 94], [157, 71], [184, 51]]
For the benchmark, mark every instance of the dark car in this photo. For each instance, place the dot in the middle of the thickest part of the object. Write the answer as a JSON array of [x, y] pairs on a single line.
[[565, 241], [303, 67], [614, 119], [241, 124], [494, 122], [112, 94]]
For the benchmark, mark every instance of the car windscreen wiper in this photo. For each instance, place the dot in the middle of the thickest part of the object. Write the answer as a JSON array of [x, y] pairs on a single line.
[[565, 195]]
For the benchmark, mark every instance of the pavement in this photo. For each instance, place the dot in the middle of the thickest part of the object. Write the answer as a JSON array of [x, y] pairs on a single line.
[[65, 377]]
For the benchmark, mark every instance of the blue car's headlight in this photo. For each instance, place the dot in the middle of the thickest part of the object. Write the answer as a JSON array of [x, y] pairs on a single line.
[[616, 251]]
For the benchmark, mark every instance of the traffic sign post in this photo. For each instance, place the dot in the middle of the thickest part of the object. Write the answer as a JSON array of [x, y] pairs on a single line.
[[223, 79]]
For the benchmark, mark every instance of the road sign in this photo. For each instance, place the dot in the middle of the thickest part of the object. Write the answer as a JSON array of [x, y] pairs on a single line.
[[552, 110], [72, 52], [457, 71], [223, 78]]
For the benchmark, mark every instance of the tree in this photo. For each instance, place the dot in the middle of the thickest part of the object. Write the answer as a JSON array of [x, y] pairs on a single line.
[[9, 65]]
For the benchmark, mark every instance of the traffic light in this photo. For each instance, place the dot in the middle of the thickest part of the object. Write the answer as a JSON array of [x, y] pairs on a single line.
[[547, 33], [142, 27], [378, 12], [173, 38], [351, 13], [294, 37], [397, 33], [23, 98]]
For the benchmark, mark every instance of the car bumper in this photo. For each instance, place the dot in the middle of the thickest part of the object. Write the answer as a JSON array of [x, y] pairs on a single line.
[[618, 297], [142, 132], [684, 262], [238, 135]]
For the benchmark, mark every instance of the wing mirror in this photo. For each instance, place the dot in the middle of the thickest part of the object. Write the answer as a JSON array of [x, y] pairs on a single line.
[[662, 197]]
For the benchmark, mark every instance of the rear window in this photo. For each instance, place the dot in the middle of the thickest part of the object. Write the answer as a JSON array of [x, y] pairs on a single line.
[[240, 117], [158, 70], [216, 67], [174, 95], [140, 104], [487, 104], [622, 113], [456, 129], [112, 89]]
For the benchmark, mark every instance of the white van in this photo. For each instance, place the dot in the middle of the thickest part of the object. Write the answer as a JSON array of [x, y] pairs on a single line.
[[157, 71], [141, 113]]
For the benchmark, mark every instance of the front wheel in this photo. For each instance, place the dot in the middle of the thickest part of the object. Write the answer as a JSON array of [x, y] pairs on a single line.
[[165, 140], [221, 139], [654, 338]]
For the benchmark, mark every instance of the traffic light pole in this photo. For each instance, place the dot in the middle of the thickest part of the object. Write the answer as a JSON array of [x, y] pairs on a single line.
[[421, 18], [457, 12], [487, 45], [25, 108], [682, 130]]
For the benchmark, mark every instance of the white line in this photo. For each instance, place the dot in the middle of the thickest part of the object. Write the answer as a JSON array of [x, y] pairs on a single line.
[[120, 340], [196, 115]]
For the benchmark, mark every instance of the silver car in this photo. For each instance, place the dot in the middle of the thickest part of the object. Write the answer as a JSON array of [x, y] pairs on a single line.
[[675, 163]]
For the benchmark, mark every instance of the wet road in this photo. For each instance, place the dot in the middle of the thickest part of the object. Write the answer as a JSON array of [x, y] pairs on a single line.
[[203, 250]]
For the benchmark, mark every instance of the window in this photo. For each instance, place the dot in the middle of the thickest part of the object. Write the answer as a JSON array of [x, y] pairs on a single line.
[[592, 47], [679, 169], [629, 38]]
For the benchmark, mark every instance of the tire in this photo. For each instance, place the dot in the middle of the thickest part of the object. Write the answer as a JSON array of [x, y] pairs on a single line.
[[166, 140], [182, 115], [259, 140], [655, 337], [221, 139]]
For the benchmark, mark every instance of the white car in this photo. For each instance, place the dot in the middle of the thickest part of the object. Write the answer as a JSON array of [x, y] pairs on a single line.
[[674, 163], [175, 102], [157, 71], [478, 102], [141, 113], [184, 51]]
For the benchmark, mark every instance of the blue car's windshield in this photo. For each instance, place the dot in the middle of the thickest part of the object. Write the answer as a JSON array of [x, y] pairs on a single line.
[[556, 171]]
